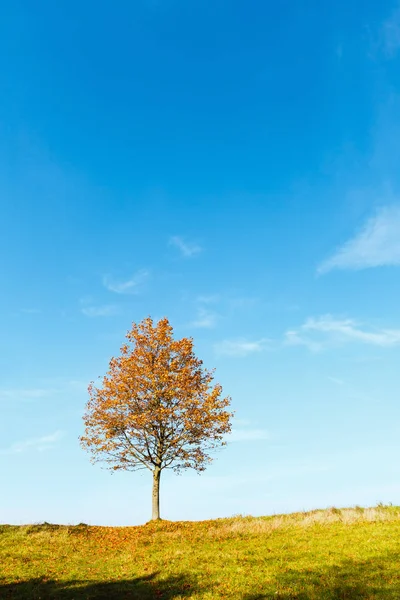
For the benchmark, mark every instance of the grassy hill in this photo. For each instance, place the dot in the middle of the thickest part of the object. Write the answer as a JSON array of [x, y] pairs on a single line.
[[343, 554]]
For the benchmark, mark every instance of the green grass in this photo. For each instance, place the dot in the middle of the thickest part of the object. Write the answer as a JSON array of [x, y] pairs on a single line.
[[342, 554]]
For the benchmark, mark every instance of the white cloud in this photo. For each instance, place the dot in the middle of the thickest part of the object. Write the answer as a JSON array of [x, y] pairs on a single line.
[[39, 444], [376, 245], [130, 286], [107, 310], [318, 333], [240, 347], [248, 435], [187, 249]]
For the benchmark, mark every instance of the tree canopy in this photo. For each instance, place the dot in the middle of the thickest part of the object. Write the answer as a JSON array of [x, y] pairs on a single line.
[[157, 407]]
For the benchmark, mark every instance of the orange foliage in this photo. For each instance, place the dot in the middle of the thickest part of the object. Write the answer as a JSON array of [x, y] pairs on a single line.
[[157, 407]]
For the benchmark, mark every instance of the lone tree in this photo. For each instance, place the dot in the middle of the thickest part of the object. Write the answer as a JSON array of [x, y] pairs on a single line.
[[157, 407]]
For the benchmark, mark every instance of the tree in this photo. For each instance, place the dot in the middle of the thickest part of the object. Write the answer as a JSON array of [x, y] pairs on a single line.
[[157, 407]]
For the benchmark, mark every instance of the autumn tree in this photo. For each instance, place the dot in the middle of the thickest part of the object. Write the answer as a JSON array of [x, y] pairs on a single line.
[[157, 407]]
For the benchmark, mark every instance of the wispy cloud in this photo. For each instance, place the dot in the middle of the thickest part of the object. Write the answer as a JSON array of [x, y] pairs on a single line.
[[107, 310], [318, 333], [25, 394], [376, 245], [207, 315], [208, 298], [39, 444], [206, 319], [248, 435], [336, 380], [129, 286], [391, 33], [187, 249], [242, 302], [240, 347], [339, 51]]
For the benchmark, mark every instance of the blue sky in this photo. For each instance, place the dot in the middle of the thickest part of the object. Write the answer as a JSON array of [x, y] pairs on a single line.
[[234, 167]]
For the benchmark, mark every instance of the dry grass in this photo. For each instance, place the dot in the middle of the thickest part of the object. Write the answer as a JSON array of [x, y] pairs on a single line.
[[248, 525]]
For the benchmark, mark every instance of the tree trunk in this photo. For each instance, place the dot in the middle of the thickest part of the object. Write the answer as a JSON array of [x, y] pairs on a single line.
[[156, 494]]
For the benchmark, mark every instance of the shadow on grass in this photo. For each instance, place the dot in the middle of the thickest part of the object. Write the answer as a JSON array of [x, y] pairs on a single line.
[[350, 580], [147, 587], [377, 578]]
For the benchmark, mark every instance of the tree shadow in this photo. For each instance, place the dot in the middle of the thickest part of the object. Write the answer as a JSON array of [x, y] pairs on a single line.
[[350, 580], [147, 587]]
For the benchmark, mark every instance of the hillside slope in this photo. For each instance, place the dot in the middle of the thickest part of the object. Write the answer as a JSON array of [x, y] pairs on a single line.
[[348, 553]]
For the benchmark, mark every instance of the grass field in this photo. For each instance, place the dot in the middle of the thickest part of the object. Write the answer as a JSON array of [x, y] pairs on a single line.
[[343, 554]]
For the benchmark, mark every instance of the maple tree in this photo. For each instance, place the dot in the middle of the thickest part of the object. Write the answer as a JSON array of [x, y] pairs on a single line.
[[157, 407]]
